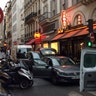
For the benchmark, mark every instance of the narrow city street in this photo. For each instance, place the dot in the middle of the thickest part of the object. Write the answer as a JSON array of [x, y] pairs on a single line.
[[48, 39], [45, 88]]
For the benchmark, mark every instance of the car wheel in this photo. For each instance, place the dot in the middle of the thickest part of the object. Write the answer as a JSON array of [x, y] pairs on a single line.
[[24, 84]]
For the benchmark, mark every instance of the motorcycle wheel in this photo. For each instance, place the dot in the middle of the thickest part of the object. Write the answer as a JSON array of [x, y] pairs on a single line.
[[24, 84]]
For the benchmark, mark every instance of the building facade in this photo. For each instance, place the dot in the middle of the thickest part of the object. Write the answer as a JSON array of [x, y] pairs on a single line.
[[48, 21], [17, 22], [62, 24], [8, 25]]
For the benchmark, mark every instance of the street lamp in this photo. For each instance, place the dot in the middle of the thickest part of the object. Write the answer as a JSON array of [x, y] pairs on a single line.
[[37, 37]]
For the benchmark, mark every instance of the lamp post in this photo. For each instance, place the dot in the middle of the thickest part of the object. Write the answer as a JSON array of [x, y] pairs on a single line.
[[37, 37]]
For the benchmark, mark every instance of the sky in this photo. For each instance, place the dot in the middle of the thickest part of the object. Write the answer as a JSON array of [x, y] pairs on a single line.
[[3, 3]]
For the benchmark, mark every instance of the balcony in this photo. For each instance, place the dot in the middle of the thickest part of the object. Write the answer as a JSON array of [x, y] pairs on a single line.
[[44, 18], [30, 17], [86, 2]]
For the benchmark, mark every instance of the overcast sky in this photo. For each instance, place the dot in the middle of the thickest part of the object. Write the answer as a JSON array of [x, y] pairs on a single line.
[[3, 3]]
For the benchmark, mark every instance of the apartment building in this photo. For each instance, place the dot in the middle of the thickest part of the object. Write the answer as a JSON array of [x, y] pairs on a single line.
[[8, 25], [61, 24], [1, 27], [17, 22], [70, 36]]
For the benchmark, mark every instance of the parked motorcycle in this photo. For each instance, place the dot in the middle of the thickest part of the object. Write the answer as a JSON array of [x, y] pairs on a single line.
[[16, 74]]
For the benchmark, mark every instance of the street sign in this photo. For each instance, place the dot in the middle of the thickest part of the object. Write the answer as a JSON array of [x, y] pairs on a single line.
[[1, 15], [92, 37]]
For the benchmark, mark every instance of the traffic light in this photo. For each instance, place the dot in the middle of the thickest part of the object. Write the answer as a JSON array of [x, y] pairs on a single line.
[[90, 25], [89, 44]]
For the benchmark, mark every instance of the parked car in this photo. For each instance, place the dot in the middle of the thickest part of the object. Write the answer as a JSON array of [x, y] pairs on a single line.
[[63, 69], [36, 65], [55, 68], [47, 52]]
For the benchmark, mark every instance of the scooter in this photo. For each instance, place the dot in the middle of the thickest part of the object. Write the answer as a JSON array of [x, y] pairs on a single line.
[[16, 74]]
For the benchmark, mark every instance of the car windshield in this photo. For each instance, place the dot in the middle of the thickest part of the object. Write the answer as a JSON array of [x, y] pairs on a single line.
[[36, 55], [48, 52], [62, 61], [39, 62]]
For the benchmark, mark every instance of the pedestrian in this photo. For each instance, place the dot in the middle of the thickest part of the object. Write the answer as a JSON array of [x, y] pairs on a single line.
[[2, 54], [19, 54]]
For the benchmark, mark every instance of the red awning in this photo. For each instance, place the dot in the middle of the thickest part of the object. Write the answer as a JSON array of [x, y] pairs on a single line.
[[70, 34], [57, 36], [82, 32], [30, 42]]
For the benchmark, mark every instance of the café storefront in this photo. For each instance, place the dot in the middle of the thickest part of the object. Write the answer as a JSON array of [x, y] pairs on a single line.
[[70, 42]]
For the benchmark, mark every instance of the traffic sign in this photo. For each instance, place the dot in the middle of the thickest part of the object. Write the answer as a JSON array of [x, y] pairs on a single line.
[[92, 37], [1, 15]]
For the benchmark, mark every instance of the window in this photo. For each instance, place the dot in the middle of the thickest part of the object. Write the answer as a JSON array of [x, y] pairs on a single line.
[[63, 4], [74, 2], [14, 27], [94, 15], [89, 60], [38, 62], [45, 9], [53, 8], [78, 19]]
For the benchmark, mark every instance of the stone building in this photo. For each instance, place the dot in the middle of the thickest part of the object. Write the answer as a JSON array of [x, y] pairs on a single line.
[[61, 23], [45, 16]]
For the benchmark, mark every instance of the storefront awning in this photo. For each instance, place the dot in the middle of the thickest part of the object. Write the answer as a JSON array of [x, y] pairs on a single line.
[[30, 42], [82, 32], [71, 34], [57, 36]]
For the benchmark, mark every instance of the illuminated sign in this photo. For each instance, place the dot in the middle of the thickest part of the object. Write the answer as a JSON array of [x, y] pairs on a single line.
[[63, 19], [60, 31]]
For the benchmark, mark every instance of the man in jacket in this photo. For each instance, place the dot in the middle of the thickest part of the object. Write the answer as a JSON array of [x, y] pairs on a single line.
[[2, 54]]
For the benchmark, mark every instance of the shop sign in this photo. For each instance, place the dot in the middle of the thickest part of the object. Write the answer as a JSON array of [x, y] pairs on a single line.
[[60, 31], [63, 19]]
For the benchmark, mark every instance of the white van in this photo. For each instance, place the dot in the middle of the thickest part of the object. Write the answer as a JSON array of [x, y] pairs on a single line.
[[88, 69], [23, 49]]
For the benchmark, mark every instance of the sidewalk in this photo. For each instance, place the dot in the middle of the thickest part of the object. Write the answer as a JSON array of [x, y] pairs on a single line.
[[2, 91]]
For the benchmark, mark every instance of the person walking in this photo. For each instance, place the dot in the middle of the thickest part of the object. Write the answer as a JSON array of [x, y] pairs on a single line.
[[2, 54]]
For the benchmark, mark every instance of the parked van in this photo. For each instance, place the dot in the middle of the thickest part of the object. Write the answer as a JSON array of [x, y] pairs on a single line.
[[88, 69], [20, 51]]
